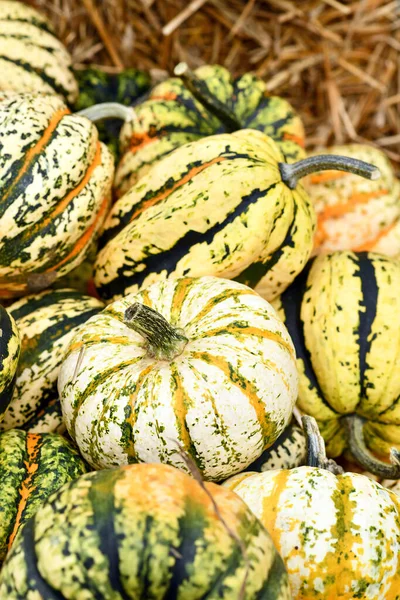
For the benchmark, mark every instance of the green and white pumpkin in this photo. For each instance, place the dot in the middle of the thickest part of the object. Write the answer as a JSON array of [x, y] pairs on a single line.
[[10, 345], [143, 532], [46, 323], [32, 59], [32, 467], [287, 452], [55, 191], [198, 363]]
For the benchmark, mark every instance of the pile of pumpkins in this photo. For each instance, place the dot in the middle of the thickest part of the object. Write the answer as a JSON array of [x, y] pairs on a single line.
[[188, 340]]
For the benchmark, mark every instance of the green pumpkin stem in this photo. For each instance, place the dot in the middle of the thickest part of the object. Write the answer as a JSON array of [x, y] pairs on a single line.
[[316, 453], [164, 341], [354, 425], [291, 173], [198, 88], [108, 110]]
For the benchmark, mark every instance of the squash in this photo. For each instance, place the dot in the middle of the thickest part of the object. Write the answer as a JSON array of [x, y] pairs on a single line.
[[10, 346], [226, 205], [55, 187], [287, 452], [32, 467], [338, 533], [198, 363], [32, 59], [343, 314], [46, 323], [355, 214], [143, 532]]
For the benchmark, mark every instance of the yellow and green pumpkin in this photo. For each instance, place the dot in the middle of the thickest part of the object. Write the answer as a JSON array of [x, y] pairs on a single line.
[[32, 59], [32, 467], [46, 323], [10, 346], [143, 532], [55, 188], [201, 364]]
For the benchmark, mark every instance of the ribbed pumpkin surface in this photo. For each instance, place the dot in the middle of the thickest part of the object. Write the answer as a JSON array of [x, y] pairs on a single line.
[[171, 117], [55, 185], [31, 57], [46, 323], [339, 536], [343, 315], [10, 345], [225, 398], [31, 468], [217, 206], [287, 452], [146, 532]]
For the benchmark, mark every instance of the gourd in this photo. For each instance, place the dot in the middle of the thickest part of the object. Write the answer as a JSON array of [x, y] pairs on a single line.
[[143, 531], [10, 345], [46, 323], [355, 214], [338, 533], [32, 467], [55, 187], [201, 364], [32, 59], [343, 314], [227, 205], [195, 105], [287, 452]]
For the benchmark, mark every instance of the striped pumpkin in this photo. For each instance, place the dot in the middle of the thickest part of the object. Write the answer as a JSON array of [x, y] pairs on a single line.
[[355, 214], [287, 452], [220, 382], [339, 535], [343, 314], [32, 59], [143, 532], [171, 116], [46, 323], [217, 206], [55, 186], [10, 345], [32, 467]]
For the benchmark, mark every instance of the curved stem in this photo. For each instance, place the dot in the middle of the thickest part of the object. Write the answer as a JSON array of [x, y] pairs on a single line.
[[325, 162], [200, 91], [354, 425], [164, 341], [108, 110], [316, 453]]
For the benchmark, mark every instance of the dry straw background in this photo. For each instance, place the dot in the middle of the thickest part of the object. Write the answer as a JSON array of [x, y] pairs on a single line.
[[336, 61]]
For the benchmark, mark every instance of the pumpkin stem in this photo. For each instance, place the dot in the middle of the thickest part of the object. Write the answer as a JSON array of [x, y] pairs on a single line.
[[325, 162], [354, 425], [108, 110], [200, 91], [316, 453], [164, 341]]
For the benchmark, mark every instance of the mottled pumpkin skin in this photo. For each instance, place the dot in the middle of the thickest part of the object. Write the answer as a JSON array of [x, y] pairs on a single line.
[[147, 532], [46, 323], [339, 536], [10, 346], [55, 189], [287, 452], [354, 213], [343, 315], [171, 117], [224, 399], [217, 206], [32, 59], [32, 467]]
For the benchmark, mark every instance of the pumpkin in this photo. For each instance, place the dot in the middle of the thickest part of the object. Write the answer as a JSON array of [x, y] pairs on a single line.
[[355, 214], [32, 59], [32, 467], [55, 187], [143, 532], [10, 345], [46, 323], [338, 533], [392, 484], [287, 452], [198, 363], [343, 314]]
